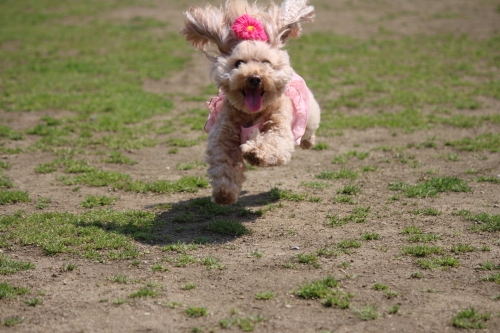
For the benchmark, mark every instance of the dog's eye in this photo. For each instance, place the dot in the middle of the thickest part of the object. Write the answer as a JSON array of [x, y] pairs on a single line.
[[267, 62], [238, 63]]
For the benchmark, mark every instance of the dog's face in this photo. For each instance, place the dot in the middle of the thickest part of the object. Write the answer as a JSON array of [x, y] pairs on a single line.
[[253, 76]]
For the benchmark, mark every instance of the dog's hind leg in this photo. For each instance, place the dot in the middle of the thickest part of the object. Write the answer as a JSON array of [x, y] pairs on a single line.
[[308, 139]]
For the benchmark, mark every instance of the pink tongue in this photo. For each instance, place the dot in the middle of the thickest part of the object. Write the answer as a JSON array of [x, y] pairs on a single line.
[[253, 100]]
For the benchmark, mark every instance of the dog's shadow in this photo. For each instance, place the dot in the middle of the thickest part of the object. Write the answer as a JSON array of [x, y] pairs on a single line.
[[201, 221]]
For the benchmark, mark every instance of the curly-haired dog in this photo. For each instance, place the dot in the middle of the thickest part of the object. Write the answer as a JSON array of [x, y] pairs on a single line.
[[263, 108]]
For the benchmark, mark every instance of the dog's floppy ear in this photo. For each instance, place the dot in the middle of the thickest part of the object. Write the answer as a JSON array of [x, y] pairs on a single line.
[[205, 26], [289, 16]]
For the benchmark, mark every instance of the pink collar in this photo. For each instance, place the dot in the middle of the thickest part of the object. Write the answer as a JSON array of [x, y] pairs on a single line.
[[298, 93]]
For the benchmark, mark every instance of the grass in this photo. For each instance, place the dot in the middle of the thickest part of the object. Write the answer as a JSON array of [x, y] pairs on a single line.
[[13, 197], [266, 295], [320, 146], [246, 324], [12, 321], [10, 266], [180, 247], [188, 286], [368, 312], [489, 179], [427, 212], [349, 190], [33, 302], [470, 319], [393, 309], [488, 266], [488, 141], [316, 289], [118, 158], [255, 254], [432, 187], [342, 174], [309, 259], [444, 263], [380, 287], [370, 236], [483, 221], [93, 201], [345, 199], [315, 185], [95, 234], [359, 215], [227, 227], [462, 248], [149, 290], [343, 247], [420, 250], [344, 158], [492, 278], [278, 194], [338, 300], [196, 311], [8, 291]]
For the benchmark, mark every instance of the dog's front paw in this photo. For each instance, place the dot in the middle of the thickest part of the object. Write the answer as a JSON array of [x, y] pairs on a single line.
[[252, 155]]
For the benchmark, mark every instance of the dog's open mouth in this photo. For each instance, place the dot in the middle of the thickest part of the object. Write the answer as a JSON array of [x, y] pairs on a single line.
[[253, 98]]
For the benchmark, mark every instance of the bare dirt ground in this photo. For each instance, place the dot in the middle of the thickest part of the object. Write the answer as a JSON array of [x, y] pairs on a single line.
[[73, 299]]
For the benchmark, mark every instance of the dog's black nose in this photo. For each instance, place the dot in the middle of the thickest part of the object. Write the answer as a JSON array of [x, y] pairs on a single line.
[[254, 81]]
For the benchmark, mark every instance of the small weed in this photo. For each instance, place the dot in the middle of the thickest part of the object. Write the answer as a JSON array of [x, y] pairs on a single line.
[[412, 230], [488, 266], [370, 236], [264, 295], [188, 286], [212, 262], [278, 194], [196, 311], [246, 324], [452, 157], [316, 289], [149, 290], [159, 268], [12, 321], [343, 173], [393, 309], [33, 302], [490, 179], [349, 190], [315, 185], [320, 146], [444, 263], [309, 259], [180, 247], [255, 253], [380, 286], [289, 265], [368, 312], [338, 299], [119, 301], [345, 199], [117, 158], [423, 238], [171, 305], [421, 250], [391, 294], [123, 279], [470, 319], [416, 275], [463, 248], [492, 278], [368, 168], [427, 212], [68, 267], [13, 197], [432, 187]]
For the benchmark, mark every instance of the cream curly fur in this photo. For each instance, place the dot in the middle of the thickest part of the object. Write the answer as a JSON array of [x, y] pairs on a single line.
[[234, 63]]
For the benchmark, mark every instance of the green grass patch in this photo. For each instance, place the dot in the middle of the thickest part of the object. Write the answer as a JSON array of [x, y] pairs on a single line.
[[470, 319], [444, 263], [13, 197], [488, 141], [12, 321], [345, 199], [343, 173], [246, 324], [149, 290], [345, 157], [118, 158], [8, 291], [488, 266], [189, 166], [423, 238], [95, 234], [432, 187], [316, 289], [266, 295], [427, 211], [10, 266], [320, 146], [483, 221], [309, 259], [196, 311], [316, 185], [492, 278], [370, 236], [211, 262], [92, 201], [180, 247], [349, 190], [33, 301], [188, 286], [338, 299], [489, 179], [463, 248], [227, 227], [420, 250], [368, 312], [279, 194]]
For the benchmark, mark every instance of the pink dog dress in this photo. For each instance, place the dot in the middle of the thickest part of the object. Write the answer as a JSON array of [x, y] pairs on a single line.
[[298, 93]]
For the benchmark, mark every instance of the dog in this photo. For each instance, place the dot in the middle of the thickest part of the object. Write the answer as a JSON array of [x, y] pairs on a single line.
[[263, 108]]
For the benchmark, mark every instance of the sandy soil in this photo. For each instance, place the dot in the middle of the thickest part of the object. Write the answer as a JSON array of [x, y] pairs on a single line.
[[72, 299]]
